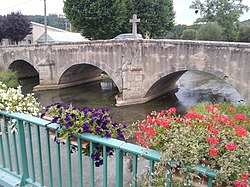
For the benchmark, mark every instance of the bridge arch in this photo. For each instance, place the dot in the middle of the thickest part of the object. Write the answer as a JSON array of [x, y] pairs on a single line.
[[23, 69], [166, 80], [87, 72]]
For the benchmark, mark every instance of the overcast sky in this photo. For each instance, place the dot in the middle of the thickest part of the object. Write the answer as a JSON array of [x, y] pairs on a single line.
[[184, 15]]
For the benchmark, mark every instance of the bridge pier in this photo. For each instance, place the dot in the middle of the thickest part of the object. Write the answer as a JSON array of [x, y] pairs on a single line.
[[123, 101]]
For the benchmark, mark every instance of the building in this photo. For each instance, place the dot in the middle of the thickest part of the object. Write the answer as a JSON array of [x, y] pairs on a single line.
[[54, 35]]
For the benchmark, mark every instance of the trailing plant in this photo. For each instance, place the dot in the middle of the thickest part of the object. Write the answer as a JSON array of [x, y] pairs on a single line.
[[74, 121]]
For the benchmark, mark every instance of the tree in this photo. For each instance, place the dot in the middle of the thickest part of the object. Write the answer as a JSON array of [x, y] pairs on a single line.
[[188, 34], [210, 32], [53, 20], [96, 19], [244, 35], [103, 19], [157, 16], [176, 31], [17, 27], [225, 12], [2, 28]]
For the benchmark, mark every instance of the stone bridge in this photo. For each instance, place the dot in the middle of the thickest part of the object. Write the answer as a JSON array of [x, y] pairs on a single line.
[[141, 69]]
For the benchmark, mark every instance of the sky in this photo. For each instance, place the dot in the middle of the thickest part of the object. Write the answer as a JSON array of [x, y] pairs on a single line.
[[184, 15]]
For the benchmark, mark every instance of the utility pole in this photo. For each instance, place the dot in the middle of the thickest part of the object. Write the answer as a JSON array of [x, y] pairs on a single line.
[[45, 24]]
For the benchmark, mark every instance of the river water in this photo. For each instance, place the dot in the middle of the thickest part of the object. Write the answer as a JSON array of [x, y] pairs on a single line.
[[194, 87]]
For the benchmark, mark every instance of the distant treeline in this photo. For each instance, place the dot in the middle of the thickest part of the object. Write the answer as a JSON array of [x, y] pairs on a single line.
[[53, 20]]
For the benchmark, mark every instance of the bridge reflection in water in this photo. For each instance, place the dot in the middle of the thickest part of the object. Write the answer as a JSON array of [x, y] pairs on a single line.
[[31, 158]]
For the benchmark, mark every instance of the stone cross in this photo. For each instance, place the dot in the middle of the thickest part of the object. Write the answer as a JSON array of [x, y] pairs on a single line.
[[134, 21]]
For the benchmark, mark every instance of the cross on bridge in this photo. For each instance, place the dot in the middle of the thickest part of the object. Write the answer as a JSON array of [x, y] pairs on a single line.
[[134, 25]]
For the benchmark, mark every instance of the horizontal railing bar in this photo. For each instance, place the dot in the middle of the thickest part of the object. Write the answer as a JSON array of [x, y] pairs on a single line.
[[27, 118], [7, 170], [36, 184]]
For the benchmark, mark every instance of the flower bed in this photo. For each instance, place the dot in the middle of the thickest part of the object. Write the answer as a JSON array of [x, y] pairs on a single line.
[[220, 139]]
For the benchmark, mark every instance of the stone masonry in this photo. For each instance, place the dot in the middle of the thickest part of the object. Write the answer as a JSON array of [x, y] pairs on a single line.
[[141, 69]]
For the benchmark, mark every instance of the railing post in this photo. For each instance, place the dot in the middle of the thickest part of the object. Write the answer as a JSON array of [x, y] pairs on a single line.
[[23, 151], [169, 176], [119, 168]]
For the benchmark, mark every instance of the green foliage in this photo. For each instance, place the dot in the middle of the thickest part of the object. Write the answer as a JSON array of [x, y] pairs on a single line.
[[188, 34], [176, 32], [9, 78], [17, 27], [2, 28], [53, 20], [212, 133], [225, 12], [210, 32], [244, 35], [105, 19], [156, 16]]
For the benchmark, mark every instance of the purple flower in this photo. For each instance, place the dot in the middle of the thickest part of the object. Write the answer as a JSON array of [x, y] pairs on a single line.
[[67, 119], [54, 120], [120, 135], [73, 116], [85, 127], [115, 124], [97, 129], [107, 134]]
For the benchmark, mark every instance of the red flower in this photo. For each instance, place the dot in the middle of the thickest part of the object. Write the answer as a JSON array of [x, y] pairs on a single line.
[[212, 140], [240, 116], [213, 152], [238, 183], [165, 123], [194, 115], [224, 119], [245, 177], [149, 119], [151, 132], [214, 131], [231, 109], [172, 110], [241, 131], [210, 108], [231, 146]]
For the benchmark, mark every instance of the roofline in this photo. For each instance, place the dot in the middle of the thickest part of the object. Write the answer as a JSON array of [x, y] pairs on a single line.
[[39, 24]]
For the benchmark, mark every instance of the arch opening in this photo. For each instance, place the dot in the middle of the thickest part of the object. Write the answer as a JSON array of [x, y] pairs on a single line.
[[86, 73], [164, 85], [23, 69]]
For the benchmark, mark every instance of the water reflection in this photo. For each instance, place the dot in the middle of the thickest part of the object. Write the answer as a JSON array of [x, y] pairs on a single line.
[[194, 87]]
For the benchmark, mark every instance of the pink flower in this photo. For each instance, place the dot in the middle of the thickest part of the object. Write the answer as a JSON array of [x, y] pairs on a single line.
[[239, 183], [172, 110], [231, 146], [210, 108], [213, 152], [149, 119], [231, 109], [212, 140], [165, 123], [241, 131], [240, 116], [214, 131]]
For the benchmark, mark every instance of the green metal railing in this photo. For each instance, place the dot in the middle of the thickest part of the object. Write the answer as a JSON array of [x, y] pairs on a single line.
[[30, 157]]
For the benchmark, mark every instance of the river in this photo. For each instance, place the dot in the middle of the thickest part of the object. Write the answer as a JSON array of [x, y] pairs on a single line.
[[194, 87]]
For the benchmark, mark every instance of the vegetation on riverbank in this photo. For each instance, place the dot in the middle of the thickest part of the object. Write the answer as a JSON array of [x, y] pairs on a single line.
[[9, 78]]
